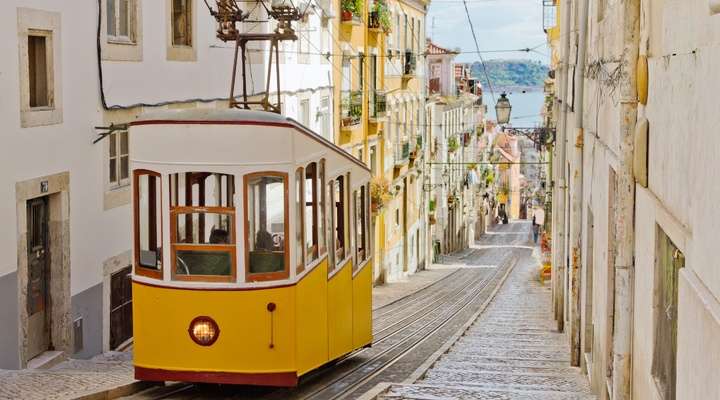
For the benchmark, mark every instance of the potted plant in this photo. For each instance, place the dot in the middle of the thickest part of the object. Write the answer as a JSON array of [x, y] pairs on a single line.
[[350, 8], [379, 193], [453, 144]]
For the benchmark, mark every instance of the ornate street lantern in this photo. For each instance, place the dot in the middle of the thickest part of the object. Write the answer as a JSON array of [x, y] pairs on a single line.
[[502, 109]]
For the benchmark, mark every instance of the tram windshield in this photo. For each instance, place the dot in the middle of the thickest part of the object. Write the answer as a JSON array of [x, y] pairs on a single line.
[[202, 225]]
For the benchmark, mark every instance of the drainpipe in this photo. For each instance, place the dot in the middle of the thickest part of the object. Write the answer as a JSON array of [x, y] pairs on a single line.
[[625, 204], [559, 256], [576, 195]]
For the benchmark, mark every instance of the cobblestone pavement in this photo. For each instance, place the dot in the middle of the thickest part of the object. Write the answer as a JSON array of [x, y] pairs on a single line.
[[510, 352], [68, 380]]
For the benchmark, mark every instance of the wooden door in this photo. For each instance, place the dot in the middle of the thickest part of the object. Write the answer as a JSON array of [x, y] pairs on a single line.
[[121, 327], [38, 285]]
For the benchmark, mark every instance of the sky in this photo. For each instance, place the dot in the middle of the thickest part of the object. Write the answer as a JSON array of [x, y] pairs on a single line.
[[499, 25]]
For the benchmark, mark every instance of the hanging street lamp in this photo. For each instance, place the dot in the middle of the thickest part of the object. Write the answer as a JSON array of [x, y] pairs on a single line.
[[502, 109]]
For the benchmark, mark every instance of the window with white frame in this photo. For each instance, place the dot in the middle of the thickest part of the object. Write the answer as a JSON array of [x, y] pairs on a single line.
[[120, 20], [304, 112], [324, 114], [39, 58], [303, 42], [118, 160]]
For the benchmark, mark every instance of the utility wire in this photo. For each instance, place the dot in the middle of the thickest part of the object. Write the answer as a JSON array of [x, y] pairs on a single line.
[[477, 47]]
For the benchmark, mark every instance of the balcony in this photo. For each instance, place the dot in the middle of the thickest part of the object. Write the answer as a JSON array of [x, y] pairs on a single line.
[[402, 153], [378, 106], [410, 64], [351, 108], [549, 15]]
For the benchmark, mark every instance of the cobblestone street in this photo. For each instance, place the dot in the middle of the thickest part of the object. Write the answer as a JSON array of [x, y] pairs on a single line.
[[510, 352]]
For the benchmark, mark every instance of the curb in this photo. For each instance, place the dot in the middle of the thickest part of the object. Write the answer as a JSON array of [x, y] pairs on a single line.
[[117, 391]]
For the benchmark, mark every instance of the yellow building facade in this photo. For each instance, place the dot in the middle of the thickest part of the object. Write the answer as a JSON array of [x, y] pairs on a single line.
[[380, 91]]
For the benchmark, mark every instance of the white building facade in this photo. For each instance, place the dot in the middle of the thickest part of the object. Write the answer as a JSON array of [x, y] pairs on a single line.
[[65, 247]]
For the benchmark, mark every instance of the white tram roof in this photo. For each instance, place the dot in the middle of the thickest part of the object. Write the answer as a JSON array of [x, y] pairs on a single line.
[[234, 117]]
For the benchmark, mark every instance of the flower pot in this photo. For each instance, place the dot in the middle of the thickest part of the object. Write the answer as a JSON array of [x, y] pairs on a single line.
[[346, 15]]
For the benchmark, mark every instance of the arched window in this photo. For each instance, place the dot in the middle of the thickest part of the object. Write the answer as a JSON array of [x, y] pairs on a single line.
[[266, 226], [340, 219], [311, 212], [322, 223], [299, 225], [202, 227], [147, 210]]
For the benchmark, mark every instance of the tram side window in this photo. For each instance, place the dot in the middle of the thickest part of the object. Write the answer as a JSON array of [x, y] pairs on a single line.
[[329, 193], [340, 219], [311, 212], [202, 225], [322, 235], [299, 200], [266, 215], [148, 223], [361, 220]]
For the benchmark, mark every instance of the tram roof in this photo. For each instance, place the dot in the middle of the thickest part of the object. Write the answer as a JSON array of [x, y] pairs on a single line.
[[229, 116]]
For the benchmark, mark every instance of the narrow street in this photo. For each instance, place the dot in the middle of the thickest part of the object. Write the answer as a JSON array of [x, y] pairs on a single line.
[[406, 332]]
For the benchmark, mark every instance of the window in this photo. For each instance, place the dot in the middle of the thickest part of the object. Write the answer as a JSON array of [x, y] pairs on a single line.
[[304, 112], [39, 56], [311, 212], [361, 72], [120, 20], [373, 160], [325, 118], [182, 23], [38, 71], [266, 226], [340, 219], [669, 261], [361, 225], [299, 224], [303, 42], [322, 225], [202, 226], [148, 224], [330, 222], [118, 166], [346, 74]]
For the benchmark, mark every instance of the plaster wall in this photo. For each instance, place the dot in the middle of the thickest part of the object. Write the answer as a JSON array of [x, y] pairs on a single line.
[[681, 198]]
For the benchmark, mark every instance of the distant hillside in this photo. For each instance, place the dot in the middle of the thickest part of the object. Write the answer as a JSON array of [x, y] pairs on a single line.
[[512, 72]]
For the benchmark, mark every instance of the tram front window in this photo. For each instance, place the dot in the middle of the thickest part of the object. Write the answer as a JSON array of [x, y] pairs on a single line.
[[148, 223], [266, 219], [202, 218]]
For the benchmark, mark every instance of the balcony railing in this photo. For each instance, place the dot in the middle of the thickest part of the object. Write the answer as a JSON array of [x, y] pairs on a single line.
[[402, 152], [378, 105], [549, 14], [351, 108], [374, 20], [410, 63]]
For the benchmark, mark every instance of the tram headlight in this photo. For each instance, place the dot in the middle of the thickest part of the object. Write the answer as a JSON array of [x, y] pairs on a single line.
[[204, 331]]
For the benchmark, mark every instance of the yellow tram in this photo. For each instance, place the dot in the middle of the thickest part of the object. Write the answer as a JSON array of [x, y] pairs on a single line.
[[252, 260]]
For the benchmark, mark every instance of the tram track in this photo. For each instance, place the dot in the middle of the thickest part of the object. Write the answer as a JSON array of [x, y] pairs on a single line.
[[339, 388]]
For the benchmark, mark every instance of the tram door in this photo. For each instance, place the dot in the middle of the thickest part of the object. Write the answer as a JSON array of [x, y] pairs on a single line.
[[38, 290]]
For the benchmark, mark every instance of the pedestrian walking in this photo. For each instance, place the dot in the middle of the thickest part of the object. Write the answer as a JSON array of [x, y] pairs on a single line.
[[536, 230]]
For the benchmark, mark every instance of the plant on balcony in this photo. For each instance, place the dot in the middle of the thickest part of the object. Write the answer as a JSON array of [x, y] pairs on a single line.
[[351, 8], [432, 205], [382, 14], [453, 144], [379, 193]]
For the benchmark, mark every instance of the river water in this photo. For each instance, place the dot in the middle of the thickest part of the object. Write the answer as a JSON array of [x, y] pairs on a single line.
[[525, 106]]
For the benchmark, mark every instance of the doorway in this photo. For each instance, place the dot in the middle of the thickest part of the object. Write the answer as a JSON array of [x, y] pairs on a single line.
[[121, 325], [38, 300]]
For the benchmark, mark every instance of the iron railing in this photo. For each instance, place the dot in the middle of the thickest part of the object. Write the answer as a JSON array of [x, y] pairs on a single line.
[[410, 63], [351, 107], [378, 105]]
